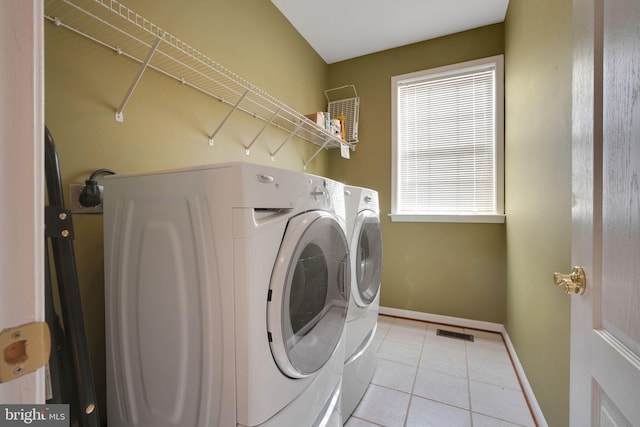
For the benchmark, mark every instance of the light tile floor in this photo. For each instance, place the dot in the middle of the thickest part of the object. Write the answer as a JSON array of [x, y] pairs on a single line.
[[425, 380]]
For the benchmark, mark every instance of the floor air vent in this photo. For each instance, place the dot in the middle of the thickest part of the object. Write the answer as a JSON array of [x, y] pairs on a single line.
[[457, 335]]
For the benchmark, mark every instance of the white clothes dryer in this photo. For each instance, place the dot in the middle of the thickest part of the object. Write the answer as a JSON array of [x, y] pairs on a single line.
[[226, 298], [365, 246]]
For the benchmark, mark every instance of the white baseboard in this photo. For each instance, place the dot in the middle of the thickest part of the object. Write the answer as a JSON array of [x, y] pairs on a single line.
[[526, 387], [485, 326], [444, 320]]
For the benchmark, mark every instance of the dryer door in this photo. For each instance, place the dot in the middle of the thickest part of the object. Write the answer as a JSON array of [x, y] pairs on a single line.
[[366, 257], [308, 294]]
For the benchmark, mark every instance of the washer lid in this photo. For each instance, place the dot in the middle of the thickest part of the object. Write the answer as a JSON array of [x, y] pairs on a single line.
[[309, 294], [366, 257]]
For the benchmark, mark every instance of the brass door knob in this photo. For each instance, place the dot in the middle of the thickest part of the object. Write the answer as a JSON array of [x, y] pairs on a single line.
[[574, 283]]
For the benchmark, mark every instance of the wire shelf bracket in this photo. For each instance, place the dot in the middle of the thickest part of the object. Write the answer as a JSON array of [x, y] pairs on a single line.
[[266, 125], [316, 154], [295, 131], [233, 110], [136, 80]]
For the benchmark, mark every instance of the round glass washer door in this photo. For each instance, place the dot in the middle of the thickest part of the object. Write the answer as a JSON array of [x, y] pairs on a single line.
[[366, 257], [309, 294]]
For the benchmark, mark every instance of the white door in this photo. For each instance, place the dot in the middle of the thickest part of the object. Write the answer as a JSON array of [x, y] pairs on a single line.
[[21, 180], [605, 321]]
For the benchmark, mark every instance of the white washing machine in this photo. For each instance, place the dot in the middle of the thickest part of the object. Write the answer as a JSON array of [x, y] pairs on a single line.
[[365, 246], [226, 298]]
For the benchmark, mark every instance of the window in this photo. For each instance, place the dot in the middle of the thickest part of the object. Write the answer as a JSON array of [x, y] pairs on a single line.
[[448, 132]]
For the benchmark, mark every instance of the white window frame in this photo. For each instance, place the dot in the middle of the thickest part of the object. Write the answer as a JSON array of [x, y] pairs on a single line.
[[498, 216]]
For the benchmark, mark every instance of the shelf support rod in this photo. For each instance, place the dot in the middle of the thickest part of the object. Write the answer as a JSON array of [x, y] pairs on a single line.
[[248, 148], [273, 155], [326, 142], [119, 116], [233, 110]]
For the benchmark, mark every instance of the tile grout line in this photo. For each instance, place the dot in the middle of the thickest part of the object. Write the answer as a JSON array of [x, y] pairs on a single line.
[[386, 337], [466, 359], [502, 386], [526, 398], [415, 377]]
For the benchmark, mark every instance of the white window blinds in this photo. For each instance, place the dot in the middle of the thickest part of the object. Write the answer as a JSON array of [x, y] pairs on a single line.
[[446, 143]]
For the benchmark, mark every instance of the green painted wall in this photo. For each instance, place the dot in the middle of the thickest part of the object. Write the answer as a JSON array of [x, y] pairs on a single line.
[[166, 124], [498, 273], [538, 195], [448, 269]]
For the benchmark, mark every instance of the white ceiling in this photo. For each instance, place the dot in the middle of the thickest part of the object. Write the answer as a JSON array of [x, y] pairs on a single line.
[[345, 29]]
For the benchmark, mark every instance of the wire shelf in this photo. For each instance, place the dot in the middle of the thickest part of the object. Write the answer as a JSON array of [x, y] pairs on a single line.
[[118, 28]]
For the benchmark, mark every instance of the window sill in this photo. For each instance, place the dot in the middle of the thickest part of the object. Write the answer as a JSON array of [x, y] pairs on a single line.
[[490, 219]]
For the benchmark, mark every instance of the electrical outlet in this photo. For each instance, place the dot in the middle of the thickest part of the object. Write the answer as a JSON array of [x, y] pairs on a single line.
[[74, 199]]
